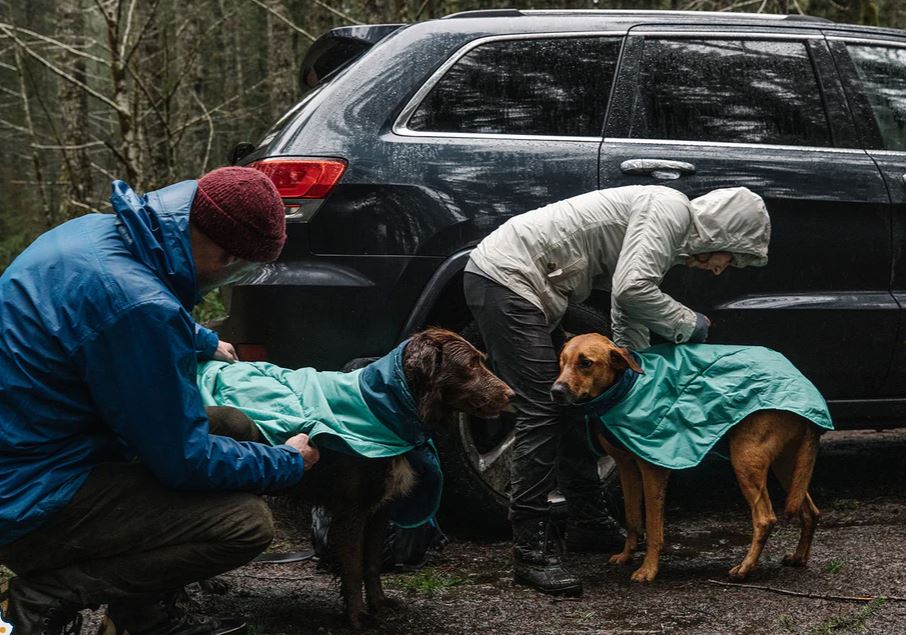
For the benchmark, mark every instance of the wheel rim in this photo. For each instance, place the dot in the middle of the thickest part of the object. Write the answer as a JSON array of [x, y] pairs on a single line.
[[488, 444]]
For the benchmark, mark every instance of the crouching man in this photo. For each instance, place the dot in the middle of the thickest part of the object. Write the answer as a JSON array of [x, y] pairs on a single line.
[[112, 490]]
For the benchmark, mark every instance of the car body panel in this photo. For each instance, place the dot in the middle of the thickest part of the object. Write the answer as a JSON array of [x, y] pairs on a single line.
[[391, 238]]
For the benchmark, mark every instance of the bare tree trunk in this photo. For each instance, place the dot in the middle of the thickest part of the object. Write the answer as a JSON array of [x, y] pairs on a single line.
[[151, 66], [281, 63], [127, 151], [37, 163], [73, 102]]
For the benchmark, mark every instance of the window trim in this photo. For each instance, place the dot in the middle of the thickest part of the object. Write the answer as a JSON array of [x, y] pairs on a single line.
[[851, 82], [733, 144], [401, 125], [724, 35], [804, 38]]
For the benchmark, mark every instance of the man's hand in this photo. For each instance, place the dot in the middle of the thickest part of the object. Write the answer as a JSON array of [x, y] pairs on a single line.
[[309, 452], [225, 352]]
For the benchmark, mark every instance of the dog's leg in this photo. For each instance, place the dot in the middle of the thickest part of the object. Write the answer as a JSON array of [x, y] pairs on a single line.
[[347, 537], [789, 469], [654, 484], [375, 532], [631, 482], [808, 518], [752, 451]]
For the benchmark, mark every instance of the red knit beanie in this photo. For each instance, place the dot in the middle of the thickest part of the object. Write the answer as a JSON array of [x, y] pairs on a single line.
[[241, 211]]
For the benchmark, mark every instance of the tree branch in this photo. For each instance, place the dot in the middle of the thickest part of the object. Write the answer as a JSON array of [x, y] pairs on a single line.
[[207, 151], [817, 596], [56, 71], [339, 13], [286, 20], [51, 40]]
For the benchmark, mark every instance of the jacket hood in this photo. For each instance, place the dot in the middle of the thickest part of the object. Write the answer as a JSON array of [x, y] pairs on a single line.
[[731, 219], [156, 230]]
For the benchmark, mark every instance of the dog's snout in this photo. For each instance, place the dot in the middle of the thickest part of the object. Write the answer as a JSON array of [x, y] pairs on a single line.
[[561, 394]]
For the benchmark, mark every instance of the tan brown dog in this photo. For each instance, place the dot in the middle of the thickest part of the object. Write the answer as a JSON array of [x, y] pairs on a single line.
[[766, 439]]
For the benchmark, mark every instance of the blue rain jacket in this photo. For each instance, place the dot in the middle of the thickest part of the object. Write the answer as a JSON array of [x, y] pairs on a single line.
[[369, 412], [97, 363], [691, 395]]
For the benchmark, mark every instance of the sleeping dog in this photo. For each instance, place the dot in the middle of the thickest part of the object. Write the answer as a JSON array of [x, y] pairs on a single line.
[[666, 408], [372, 427]]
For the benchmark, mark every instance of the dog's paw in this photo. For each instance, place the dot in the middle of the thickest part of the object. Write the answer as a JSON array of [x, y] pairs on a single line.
[[361, 621], [739, 573], [383, 605], [793, 560], [644, 575], [620, 558]]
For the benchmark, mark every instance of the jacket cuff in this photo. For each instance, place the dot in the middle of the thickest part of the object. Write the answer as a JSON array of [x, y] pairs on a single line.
[[685, 327], [206, 342], [299, 459]]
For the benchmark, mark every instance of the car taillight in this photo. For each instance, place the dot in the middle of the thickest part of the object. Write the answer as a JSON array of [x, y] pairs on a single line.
[[302, 178]]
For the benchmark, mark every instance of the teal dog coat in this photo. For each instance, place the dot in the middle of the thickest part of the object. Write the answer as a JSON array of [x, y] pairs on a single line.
[[691, 394], [369, 412]]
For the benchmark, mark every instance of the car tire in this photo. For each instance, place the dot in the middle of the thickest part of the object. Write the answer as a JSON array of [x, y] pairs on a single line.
[[476, 455]]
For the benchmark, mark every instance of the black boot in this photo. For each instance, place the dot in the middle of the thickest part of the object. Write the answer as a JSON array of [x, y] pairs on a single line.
[[591, 528], [34, 612], [536, 559], [164, 614]]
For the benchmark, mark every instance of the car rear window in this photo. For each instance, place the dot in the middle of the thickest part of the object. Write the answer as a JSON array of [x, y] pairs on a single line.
[[882, 74], [555, 86], [736, 91]]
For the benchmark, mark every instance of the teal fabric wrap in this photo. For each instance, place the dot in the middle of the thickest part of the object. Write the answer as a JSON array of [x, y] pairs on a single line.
[[691, 394], [369, 412]]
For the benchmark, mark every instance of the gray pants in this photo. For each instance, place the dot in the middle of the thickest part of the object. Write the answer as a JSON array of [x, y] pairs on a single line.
[[550, 448], [124, 534]]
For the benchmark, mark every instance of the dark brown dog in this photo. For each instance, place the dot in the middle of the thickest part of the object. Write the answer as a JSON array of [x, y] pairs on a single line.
[[767, 439], [445, 374]]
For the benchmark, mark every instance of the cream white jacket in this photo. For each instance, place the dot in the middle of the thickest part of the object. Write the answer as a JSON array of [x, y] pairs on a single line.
[[624, 240]]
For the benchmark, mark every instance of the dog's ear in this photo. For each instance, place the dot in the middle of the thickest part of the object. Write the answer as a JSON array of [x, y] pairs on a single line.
[[423, 362], [621, 359]]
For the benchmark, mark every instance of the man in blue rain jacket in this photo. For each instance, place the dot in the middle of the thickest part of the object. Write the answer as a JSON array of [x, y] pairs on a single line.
[[112, 487]]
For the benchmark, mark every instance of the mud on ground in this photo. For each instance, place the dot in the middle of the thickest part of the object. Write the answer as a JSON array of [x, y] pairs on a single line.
[[860, 549]]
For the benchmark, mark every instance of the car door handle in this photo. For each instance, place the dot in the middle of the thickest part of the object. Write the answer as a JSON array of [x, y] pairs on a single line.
[[663, 169]]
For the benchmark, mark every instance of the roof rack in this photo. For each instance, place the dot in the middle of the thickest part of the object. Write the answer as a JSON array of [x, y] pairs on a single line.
[[512, 13], [487, 13]]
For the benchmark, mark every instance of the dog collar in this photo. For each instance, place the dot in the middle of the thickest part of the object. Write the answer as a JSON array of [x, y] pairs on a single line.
[[610, 397], [387, 395]]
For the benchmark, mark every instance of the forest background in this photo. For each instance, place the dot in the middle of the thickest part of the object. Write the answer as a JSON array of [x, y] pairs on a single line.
[[157, 91]]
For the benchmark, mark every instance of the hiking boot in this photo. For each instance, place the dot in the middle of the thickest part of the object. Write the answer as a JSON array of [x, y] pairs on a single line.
[[33, 612], [536, 559], [591, 528], [164, 614]]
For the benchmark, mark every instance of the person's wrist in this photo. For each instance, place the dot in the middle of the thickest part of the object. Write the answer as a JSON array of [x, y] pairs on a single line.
[[700, 332]]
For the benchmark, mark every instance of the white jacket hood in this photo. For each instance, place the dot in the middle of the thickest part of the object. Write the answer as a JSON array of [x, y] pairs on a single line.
[[731, 219]]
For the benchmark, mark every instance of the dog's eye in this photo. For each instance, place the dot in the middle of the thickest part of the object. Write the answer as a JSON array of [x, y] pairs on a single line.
[[585, 363]]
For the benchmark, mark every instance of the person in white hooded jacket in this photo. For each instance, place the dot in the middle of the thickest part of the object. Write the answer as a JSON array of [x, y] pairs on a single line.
[[518, 283]]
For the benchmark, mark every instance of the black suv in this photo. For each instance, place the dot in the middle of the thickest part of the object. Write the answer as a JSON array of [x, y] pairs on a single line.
[[415, 141]]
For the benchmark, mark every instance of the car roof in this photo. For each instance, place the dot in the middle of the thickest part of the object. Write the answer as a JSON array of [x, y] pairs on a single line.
[[533, 18]]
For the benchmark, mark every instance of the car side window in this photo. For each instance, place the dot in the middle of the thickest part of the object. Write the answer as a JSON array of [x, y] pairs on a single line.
[[735, 91], [555, 86], [882, 76]]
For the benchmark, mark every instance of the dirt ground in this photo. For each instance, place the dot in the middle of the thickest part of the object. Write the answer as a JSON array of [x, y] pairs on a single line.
[[860, 550]]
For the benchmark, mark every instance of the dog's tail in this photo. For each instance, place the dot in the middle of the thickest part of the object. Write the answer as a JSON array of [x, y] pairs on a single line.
[[803, 465]]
